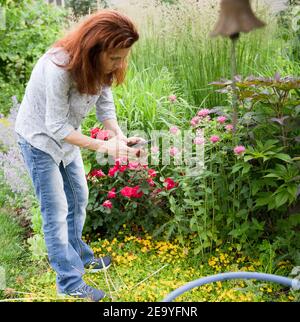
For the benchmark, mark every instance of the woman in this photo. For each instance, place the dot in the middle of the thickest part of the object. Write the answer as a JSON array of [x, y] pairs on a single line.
[[75, 74]]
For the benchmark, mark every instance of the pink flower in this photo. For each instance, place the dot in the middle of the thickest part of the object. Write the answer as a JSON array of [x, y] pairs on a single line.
[[126, 192], [172, 98], [136, 192], [152, 173], [97, 133], [170, 184], [174, 129], [133, 165], [111, 193], [103, 135], [173, 151], [222, 119], [229, 127], [123, 168], [204, 112], [112, 171], [214, 138], [195, 120], [239, 149], [151, 182], [122, 160], [155, 149], [198, 140], [107, 204], [98, 173]]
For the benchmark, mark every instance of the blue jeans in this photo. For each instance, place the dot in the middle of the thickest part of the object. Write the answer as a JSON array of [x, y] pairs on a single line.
[[63, 196]]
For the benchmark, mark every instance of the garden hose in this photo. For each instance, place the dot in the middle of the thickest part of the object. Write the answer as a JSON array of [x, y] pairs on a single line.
[[293, 283]]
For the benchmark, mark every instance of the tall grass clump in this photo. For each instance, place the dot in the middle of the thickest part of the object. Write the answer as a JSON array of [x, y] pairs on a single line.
[[177, 37]]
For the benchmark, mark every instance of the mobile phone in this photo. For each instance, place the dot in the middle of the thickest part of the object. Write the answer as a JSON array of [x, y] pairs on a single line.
[[139, 144]]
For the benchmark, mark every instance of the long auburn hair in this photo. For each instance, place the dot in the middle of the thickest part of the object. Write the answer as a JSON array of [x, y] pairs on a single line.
[[102, 31]]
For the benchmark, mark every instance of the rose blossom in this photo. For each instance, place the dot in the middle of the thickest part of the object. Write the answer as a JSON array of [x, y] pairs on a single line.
[[170, 183], [152, 173], [107, 204], [98, 173], [111, 193]]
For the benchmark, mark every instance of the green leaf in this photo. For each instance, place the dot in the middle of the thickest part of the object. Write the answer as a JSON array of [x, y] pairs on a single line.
[[284, 157], [281, 198], [87, 168]]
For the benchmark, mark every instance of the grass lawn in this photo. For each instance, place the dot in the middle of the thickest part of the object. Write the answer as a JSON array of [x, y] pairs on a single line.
[[143, 270]]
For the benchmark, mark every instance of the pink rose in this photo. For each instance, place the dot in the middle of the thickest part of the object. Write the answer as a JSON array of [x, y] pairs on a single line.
[[107, 204], [111, 193], [170, 184], [98, 173], [152, 173]]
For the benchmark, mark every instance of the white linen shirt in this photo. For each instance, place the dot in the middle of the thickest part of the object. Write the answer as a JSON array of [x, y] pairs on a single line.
[[52, 107]]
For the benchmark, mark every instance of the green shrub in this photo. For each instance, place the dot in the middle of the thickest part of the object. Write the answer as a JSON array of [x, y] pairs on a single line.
[[31, 27]]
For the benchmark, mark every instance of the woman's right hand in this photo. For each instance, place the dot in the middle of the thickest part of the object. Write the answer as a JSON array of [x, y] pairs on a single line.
[[118, 149]]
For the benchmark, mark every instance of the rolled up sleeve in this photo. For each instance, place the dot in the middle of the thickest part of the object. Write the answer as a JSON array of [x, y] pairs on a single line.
[[105, 107], [57, 84]]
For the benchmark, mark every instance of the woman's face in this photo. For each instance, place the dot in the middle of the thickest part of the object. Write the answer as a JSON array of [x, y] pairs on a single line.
[[113, 59]]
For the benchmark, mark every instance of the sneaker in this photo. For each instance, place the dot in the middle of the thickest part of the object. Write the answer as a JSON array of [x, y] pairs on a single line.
[[85, 291], [99, 264]]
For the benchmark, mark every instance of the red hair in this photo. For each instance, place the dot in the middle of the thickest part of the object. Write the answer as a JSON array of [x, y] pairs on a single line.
[[99, 32]]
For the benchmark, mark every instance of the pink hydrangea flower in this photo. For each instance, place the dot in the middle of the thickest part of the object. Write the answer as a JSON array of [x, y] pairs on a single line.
[[198, 140], [107, 204], [204, 112], [173, 151], [172, 98], [239, 149], [221, 119], [174, 129], [214, 138]]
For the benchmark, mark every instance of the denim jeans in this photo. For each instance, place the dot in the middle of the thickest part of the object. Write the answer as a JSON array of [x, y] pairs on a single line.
[[63, 196]]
